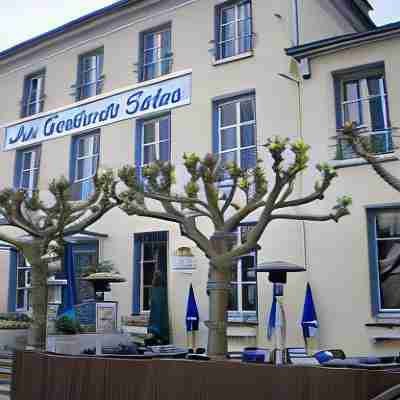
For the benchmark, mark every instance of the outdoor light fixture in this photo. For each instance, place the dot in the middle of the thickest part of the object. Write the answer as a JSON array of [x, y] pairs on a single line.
[[278, 271]]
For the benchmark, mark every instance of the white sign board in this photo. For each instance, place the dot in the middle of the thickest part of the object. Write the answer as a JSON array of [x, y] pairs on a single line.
[[146, 98]]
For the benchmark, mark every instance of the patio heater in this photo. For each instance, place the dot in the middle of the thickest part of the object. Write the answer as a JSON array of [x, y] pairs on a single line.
[[278, 271]]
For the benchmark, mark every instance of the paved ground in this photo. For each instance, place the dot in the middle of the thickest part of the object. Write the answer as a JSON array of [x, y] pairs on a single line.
[[4, 397]]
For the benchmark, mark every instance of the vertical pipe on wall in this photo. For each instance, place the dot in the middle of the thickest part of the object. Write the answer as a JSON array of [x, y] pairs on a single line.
[[296, 23]]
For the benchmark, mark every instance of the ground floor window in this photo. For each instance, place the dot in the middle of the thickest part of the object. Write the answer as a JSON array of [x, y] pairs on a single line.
[[384, 245], [150, 257], [243, 297], [23, 289]]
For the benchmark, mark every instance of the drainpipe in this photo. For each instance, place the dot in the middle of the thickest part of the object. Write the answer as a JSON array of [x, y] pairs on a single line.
[[296, 23]]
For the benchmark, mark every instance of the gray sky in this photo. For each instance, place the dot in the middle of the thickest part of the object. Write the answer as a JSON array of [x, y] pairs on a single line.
[[23, 19]]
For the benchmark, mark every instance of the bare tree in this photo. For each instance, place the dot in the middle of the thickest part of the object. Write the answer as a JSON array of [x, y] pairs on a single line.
[[45, 226], [359, 140], [149, 193]]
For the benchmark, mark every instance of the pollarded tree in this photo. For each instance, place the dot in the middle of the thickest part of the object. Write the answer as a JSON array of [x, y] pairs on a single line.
[[249, 193], [45, 225], [360, 141]]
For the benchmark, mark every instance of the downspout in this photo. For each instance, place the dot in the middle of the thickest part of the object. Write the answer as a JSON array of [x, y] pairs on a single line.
[[295, 23]]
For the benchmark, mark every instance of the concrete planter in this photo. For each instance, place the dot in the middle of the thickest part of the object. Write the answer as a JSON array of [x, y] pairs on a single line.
[[11, 339]]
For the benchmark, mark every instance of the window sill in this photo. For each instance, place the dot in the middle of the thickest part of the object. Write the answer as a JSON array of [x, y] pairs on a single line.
[[233, 58], [353, 162]]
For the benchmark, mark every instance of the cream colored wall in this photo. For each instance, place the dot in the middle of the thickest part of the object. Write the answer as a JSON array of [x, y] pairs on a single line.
[[339, 265], [276, 103], [4, 269]]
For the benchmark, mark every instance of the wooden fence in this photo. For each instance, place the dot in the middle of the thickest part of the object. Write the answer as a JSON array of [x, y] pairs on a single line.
[[57, 377]]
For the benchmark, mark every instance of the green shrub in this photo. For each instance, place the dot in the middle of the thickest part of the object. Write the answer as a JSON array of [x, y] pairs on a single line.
[[14, 316], [67, 325], [4, 324]]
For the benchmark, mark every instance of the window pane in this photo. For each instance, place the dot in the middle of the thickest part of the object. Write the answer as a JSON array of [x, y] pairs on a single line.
[[247, 111], [388, 224], [83, 147], [37, 158], [352, 107], [247, 136], [95, 162], [228, 157], [166, 43], [233, 298], [27, 160], [234, 277], [228, 139], [248, 158], [149, 41], [21, 278], [227, 15], [228, 114], [377, 105], [244, 10], [248, 265], [249, 298], [148, 251], [146, 298], [228, 32], [20, 298], [148, 272], [227, 49], [150, 56], [164, 128], [244, 34], [25, 180], [96, 144], [164, 151], [84, 168], [150, 154], [149, 132]]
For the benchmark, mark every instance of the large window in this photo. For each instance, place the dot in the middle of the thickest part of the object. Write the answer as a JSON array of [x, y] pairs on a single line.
[[150, 256], [23, 303], [84, 164], [156, 57], [27, 168], [234, 29], [361, 97], [33, 96], [235, 139], [90, 74], [243, 298], [384, 243]]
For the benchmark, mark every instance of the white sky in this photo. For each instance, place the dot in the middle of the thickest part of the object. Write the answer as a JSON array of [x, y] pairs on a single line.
[[23, 19]]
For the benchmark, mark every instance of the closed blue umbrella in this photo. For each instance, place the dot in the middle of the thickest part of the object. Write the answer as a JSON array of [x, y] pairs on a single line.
[[192, 316], [309, 321]]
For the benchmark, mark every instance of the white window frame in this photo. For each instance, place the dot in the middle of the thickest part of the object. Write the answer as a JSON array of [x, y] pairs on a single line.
[[26, 288], [142, 285], [237, 126], [157, 141], [38, 98], [236, 21], [35, 154], [96, 75], [159, 60]]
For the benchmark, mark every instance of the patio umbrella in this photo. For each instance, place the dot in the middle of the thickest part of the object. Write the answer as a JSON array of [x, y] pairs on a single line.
[[277, 322], [192, 317], [309, 321]]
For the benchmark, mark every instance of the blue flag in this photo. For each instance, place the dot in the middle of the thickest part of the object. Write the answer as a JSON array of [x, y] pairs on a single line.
[[309, 321], [192, 313]]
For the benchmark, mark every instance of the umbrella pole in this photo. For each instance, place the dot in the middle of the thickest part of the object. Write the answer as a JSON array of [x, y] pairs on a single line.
[[194, 340]]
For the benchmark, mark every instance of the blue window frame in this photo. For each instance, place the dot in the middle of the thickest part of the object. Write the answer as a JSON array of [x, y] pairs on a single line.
[[90, 74], [27, 167], [150, 254], [243, 296], [85, 154], [384, 257], [153, 140], [234, 131], [155, 53], [33, 95], [233, 29], [361, 97]]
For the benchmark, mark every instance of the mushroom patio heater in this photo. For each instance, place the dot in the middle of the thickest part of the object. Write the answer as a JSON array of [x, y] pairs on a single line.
[[101, 282], [278, 271]]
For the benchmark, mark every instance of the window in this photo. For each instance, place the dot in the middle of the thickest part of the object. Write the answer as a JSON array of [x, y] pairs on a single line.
[[27, 168], [150, 252], [234, 29], [33, 96], [243, 297], [361, 97], [84, 164], [23, 294], [235, 126], [384, 249], [156, 57], [90, 74]]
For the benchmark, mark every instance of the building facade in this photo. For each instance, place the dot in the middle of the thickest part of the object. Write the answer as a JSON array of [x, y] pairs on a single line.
[[213, 74]]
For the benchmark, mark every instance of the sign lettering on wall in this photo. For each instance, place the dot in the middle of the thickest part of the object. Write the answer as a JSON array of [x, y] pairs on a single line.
[[138, 101]]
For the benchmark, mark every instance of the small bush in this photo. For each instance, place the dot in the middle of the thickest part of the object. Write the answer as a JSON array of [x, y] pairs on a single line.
[[67, 325], [4, 324], [14, 316]]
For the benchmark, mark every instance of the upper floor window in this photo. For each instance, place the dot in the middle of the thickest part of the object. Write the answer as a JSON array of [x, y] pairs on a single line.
[[243, 296], [361, 97], [90, 74], [384, 249], [156, 57], [234, 29], [235, 126], [84, 164], [33, 96], [23, 295], [27, 166]]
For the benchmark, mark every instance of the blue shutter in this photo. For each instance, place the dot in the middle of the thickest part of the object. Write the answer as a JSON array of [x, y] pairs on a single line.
[[18, 169], [12, 281], [72, 159], [138, 147], [216, 31], [137, 255], [24, 101], [69, 290], [373, 262], [215, 133]]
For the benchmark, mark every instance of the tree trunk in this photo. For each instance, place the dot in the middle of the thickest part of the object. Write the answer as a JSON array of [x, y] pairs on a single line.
[[39, 296], [218, 287]]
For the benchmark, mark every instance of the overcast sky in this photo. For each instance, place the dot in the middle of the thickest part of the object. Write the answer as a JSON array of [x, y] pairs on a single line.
[[23, 19]]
